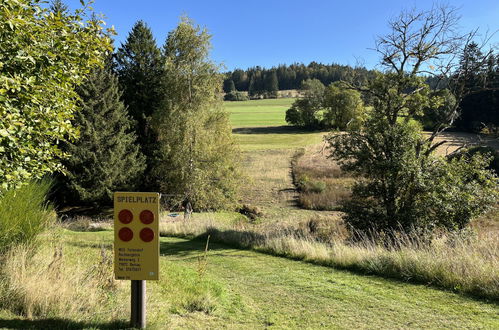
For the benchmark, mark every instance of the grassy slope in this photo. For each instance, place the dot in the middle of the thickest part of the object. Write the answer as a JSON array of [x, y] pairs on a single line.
[[251, 290], [286, 293]]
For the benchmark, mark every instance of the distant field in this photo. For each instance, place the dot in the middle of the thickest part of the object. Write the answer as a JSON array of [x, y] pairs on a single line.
[[261, 125], [255, 113], [278, 137]]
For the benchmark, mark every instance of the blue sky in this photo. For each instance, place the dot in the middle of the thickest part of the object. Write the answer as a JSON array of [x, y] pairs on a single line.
[[268, 33]]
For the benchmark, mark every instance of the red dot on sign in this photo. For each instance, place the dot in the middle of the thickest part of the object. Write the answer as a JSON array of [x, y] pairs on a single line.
[[125, 234], [147, 217], [125, 216], [147, 234]]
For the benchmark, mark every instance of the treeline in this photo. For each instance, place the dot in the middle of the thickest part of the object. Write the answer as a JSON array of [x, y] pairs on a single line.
[[479, 108], [261, 82]]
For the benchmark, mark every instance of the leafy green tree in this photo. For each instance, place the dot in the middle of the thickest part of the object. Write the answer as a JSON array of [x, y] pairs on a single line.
[[139, 66], [105, 158], [343, 107], [403, 185], [198, 154], [306, 111], [42, 57]]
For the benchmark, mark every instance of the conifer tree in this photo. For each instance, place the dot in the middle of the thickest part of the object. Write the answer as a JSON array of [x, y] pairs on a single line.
[[105, 158], [199, 155], [58, 7], [139, 68], [272, 84]]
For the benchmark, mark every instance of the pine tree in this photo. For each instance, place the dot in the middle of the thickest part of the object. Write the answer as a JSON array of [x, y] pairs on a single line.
[[199, 155], [105, 158], [139, 67], [272, 84], [58, 7], [229, 86]]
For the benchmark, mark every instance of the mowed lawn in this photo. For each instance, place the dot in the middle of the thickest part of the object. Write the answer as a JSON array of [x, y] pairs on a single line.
[[256, 113], [240, 289], [261, 125]]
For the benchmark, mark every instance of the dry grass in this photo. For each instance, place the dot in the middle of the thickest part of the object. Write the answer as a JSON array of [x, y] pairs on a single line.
[[43, 284], [85, 223], [467, 264], [320, 181]]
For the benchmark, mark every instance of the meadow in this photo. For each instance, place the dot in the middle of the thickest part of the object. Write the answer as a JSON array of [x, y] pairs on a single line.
[[288, 268], [261, 125], [226, 288], [254, 113]]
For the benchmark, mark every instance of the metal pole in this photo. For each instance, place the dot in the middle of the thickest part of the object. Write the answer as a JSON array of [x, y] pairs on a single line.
[[138, 319]]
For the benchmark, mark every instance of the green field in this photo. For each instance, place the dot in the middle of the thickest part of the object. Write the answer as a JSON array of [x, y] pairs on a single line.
[[261, 125], [256, 113]]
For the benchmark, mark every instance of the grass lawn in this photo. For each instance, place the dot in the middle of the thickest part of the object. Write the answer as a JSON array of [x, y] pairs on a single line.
[[242, 289], [255, 113], [260, 125], [274, 137]]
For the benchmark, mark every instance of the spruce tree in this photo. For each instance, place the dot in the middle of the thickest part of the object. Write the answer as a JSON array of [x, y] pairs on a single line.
[[105, 158], [272, 84], [58, 7], [199, 155], [139, 68]]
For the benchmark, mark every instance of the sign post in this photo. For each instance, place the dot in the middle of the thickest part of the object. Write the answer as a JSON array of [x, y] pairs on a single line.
[[136, 246]]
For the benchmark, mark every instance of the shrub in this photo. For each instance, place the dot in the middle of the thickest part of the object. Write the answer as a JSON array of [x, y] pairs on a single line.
[[24, 213], [484, 150], [236, 96], [252, 212]]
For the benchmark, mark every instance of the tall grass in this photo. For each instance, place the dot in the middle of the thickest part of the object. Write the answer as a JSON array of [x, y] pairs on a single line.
[[321, 183], [24, 213], [70, 277], [42, 283], [465, 264]]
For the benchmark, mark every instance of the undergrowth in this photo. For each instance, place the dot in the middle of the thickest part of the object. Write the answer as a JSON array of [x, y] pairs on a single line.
[[320, 182]]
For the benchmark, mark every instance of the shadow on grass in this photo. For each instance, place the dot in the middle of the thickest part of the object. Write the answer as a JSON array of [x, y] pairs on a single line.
[[61, 324], [247, 240], [272, 130], [219, 240]]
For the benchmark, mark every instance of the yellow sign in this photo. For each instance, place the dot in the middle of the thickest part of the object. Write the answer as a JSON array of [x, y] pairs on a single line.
[[136, 236]]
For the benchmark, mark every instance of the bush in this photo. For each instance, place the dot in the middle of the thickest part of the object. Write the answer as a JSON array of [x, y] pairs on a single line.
[[236, 96], [484, 150], [24, 213], [252, 212]]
